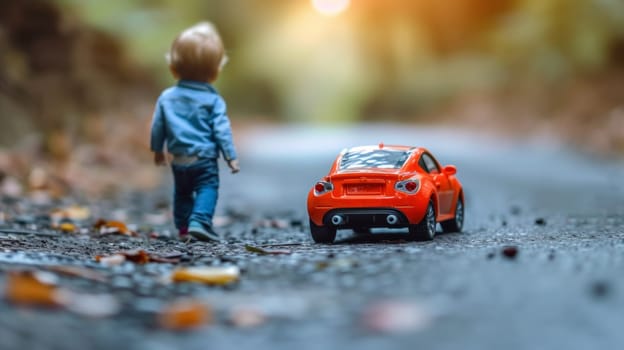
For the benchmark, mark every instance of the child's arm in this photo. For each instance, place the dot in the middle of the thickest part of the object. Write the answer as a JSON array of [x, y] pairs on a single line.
[[157, 140], [159, 158], [233, 164], [223, 135]]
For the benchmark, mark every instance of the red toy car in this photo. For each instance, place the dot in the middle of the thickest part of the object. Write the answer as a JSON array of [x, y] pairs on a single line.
[[386, 186]]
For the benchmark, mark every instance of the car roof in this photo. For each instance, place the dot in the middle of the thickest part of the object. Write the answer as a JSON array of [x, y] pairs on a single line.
[[385, 147]]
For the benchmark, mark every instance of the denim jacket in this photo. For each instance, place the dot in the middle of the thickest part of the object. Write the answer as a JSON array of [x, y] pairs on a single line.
[[191, 119]]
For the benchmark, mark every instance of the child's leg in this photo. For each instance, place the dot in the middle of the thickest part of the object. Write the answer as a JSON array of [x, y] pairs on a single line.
[[182, 197], [206, 192]]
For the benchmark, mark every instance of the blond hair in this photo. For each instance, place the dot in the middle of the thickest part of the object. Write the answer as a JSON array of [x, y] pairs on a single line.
[[197, 53]]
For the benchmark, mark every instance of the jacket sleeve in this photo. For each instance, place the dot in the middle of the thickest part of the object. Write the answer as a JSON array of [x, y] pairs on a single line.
[[222, 130], [157, 141]]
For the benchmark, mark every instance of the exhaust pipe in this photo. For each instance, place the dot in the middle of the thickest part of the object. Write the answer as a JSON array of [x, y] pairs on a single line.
[[392, 219], [337, 220]]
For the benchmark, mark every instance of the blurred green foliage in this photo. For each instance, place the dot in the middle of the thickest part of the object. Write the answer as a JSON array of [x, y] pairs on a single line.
[[377, 60]]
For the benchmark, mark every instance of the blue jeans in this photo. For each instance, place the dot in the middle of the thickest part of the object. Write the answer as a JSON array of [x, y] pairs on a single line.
[[195, 193]]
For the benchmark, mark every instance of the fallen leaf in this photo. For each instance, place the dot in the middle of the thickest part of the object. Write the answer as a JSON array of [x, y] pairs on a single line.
[[68, 227], [81, 272], [396, 317], [11, 187], [113, 227], [32, 288], [137, 256], [277, 223], [220, 275], [140, 256], [184, 315], [38, 179], [272, 223], [72, 213], [111, 260], [339, 264], [76, 212], [93, 306], [246, 317], [263, 251]]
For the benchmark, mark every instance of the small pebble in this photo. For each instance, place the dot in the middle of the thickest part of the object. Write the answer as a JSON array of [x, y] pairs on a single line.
[[600, 289], [551, 255], [510, 252]]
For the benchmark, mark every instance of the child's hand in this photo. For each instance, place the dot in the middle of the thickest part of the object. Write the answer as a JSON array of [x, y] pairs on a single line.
[[233, 164], [159, 158]]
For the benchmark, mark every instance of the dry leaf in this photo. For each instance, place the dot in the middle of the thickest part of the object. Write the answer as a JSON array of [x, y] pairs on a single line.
[[81, 272], [32, 288], [272, 223], [113, 227], [246, 317], [111, 260], [184, 315], [140, 256], [263, 251], [94, 306], [68, 227], [396, 317], [209, 275], [73, 213], [137, 256], [11, 187], [38, 179]]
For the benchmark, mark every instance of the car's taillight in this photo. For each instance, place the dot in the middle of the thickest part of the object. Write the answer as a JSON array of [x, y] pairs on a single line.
[[410, 186], [322, 187]]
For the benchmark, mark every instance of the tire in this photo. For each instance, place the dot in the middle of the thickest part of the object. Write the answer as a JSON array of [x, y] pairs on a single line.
[[322, 234], [424, 230], [457, 223]]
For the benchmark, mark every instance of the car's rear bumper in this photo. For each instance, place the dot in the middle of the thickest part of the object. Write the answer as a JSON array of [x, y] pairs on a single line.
[[369, 212], [365, 217]]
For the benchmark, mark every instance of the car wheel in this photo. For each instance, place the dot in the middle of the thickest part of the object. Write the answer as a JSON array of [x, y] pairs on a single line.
[[457, 223], [424, 230], [322, 234]]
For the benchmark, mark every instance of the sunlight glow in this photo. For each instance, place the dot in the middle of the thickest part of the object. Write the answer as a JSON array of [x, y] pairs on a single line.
[[330, 7]]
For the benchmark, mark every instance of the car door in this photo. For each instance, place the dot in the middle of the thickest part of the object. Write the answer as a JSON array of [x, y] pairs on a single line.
[[442, 183]]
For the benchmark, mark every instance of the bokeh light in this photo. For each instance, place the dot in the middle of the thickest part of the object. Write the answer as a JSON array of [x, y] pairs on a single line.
[[331, 7]]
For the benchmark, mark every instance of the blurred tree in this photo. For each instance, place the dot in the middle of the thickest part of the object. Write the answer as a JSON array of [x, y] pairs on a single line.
[[379, 59], [56, 71]]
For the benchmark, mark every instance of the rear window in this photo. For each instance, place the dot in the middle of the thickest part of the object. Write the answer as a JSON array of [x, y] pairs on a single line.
[[379, 158]]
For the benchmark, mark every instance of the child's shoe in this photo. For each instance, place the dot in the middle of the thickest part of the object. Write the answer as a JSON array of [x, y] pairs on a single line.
[[203, 233], [183, 234]]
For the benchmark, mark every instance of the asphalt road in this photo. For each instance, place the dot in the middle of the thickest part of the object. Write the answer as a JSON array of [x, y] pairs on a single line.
[[563, 212]]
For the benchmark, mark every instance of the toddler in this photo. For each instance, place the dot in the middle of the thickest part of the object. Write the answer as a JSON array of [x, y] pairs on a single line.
[[190, 119]]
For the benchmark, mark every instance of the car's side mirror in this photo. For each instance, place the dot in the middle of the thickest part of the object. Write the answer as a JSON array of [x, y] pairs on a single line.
[[450, 170]]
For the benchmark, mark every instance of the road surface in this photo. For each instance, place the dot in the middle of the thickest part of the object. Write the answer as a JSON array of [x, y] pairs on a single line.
[[562, 212]]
